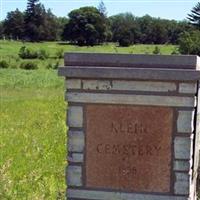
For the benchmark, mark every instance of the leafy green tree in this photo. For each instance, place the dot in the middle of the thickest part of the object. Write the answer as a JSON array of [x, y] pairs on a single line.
[[125, 29], [86, 26], [14, 25], [194, 17], [61, 23], [189, 43], [159, 31]]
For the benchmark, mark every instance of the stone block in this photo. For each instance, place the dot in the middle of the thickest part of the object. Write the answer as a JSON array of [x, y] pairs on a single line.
[[75, 157], [96, 85], [180, 165], [102, 195], [73, 84], [74, 176], [144, 86], [185, 123], [182, 148], [76, 141], [172, 101], [75, 116], [190, 88], [181, 188], [182, 183]]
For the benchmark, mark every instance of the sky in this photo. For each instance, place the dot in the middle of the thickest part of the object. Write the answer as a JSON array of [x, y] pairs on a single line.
[[168, 9]]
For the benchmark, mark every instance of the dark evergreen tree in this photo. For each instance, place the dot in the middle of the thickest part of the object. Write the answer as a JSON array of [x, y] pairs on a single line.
[[34, 19], [14, 25], [102, 9], [1, 30], [103, 12], [194, 17], [39, 23]]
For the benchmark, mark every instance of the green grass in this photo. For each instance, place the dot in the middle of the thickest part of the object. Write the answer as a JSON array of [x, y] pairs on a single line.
[[9, 51], [33, 135]]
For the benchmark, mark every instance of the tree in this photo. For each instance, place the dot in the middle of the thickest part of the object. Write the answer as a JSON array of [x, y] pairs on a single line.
[[14, 25], [50, 27], [102, 8], [103, 12], [194, 17], [159, 32], [39, 23], [1, 30], [124, 28], [34, 18], [189, 43], [86, 26], [61, 23]]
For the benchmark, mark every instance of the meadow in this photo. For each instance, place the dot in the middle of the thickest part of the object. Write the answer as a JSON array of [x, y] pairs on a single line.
[[32, 126], [9, 51]]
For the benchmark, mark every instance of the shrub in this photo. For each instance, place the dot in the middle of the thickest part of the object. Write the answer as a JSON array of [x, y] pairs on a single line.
[[53, 65], [156, 50], [26, 53], [42, 54], [28, 65], [60, 53], [56, 65], [124, 42], [49, 66], [4, 64], [175, 52], [189, 43]]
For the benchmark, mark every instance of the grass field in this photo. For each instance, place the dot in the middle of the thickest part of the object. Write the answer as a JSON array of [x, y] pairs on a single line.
[[32, 139], [9, 51], [32, 121]]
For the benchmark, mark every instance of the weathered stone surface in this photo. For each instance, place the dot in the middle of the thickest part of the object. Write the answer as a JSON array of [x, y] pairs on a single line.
[[182, 148], [129, 85], [73, 84], [74, 176], [185, 122], [75, 116], [173, 101], [96, 84], [129, 147], [182, 176], [101, 195], [131, 60], [129, 73], [181, 183], [144, 86], [76, 141], [75, 157], [180, 165], [190, 88], [181, 188]]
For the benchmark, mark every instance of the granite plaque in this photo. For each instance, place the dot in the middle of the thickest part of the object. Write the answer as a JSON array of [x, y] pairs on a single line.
[[129, 148]]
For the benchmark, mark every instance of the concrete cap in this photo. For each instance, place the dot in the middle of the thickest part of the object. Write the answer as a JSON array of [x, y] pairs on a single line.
[[128, 66], [132, 60]]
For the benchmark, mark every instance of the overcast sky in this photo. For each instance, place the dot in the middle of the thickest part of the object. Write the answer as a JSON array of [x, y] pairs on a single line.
[[169, 9]]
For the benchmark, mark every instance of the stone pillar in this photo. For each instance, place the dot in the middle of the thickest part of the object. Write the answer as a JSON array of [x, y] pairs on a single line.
[[134, 126]]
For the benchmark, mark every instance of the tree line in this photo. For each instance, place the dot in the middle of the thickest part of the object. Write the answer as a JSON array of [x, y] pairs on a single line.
[[91, 25]]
